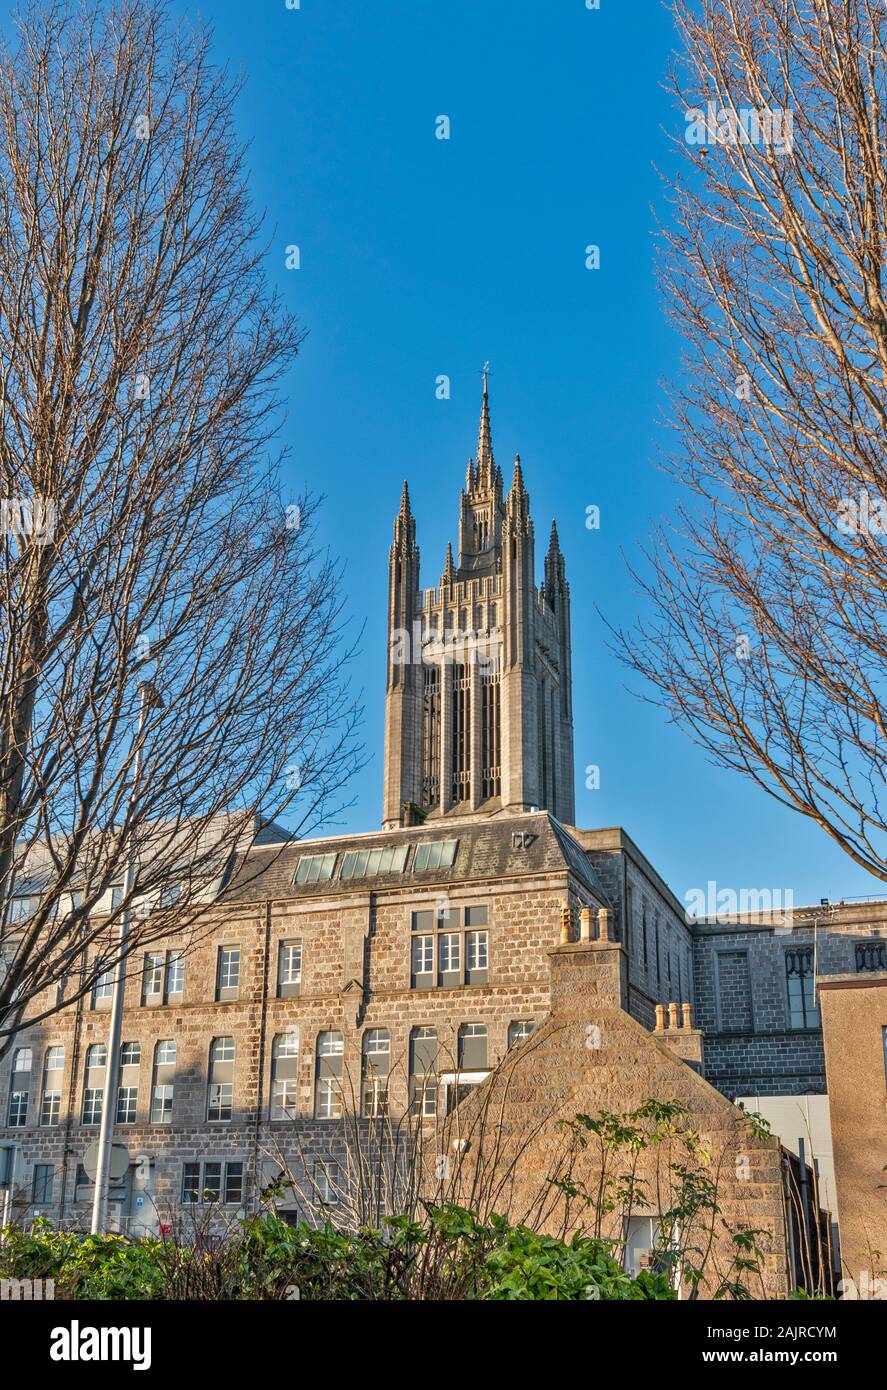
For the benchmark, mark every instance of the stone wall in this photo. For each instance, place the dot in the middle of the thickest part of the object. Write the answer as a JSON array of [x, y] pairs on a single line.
[[589, 1057]]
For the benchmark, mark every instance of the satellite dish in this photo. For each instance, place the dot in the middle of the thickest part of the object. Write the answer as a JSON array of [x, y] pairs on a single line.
[[117, 1166]]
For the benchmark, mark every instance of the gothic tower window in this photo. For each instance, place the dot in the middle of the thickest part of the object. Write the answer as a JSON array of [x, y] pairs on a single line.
[[490, 734], [431, 737], [461, 733]]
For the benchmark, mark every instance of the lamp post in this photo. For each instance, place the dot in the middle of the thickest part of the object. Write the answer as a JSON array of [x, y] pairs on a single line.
[[148, 699]]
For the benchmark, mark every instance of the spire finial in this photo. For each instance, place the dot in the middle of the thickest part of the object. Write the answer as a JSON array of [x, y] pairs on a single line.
[[405, 499], [554, 543], [485, 462], [448, 563]]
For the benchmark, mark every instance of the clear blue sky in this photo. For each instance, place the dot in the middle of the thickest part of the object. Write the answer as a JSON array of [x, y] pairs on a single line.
[[420, 257]]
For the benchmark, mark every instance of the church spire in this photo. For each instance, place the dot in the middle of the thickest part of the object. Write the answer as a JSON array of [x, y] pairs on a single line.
[[555, 575], [485, 460], [449, 566], [405, 526]]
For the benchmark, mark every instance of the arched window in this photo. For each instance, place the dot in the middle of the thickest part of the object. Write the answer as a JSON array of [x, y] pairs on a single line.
[[53, 1071], [423, 1072], [284, 1076], [94, 1084], [519, 1031], [328, 1076], [128, 1090], [220, 1092], [20, 1087], [163, 1081], [472, 1047], [375, 1070]]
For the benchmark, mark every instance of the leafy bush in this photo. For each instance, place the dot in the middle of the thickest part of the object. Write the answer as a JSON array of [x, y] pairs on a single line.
[[85, 1267], [449, 1255]]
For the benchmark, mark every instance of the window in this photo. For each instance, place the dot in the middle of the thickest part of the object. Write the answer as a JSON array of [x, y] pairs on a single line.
[[163, 1081], [375, 1069], [53, 1071], [871, 955], [289, 969], [491, 751], [102, 990], [435, 854], [450, 958], [328, 1076], [476, 957], [284, 1076], [519, 1031], [127, 1099], [220, 1094], [175, 977], [644, 1247], [802, 1008], [41, 1192], [472, 1047], [365, 863], [314, 868], [445, 955], [94, 1083], [163, 978], [170, 894], [116, 897], [734, 992], [326, 1182], [423, 962], [423, 1072], [430, 735], [152, 979], [128, 1090], [20, 909], [461, 733], [20, 1087], [656, 940], [211, 1181], [233, 1184], [228, 974]]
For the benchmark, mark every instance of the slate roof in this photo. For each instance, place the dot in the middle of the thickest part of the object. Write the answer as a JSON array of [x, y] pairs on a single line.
[[503, 847]]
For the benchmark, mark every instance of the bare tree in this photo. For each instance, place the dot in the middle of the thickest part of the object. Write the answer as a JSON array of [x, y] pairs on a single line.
[[148, 546], [765, 637]]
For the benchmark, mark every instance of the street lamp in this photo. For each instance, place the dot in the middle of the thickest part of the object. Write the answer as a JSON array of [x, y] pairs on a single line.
[[148, 699]]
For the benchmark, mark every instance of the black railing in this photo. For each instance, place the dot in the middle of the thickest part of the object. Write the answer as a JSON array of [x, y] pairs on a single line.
[[871, 955]]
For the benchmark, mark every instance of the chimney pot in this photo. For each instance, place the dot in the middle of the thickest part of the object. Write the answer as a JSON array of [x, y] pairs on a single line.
[[566, 924]]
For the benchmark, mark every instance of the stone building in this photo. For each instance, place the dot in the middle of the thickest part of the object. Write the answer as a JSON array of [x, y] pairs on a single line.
[[479, 714], [391, 973]]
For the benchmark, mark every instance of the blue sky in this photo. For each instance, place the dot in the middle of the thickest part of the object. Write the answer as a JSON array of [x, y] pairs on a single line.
[[421, 257]]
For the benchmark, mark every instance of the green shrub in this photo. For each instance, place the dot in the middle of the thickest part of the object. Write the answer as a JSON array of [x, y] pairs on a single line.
[[449, 1255]]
